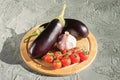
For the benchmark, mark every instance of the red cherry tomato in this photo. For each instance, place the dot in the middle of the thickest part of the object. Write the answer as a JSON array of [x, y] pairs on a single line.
[[83, 57], [74, 58], [65, 61], [57, 64], [72, 50], [48, 58], [64, 51], [58, 55]]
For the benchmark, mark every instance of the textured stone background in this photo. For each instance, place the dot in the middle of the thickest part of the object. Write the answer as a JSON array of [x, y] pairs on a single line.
[[101, 16]]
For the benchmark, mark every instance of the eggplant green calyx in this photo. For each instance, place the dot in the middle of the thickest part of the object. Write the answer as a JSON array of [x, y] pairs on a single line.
[[35, 33], [60, 17]]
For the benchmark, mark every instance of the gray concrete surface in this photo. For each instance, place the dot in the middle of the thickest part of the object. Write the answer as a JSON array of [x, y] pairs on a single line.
[[101, 16]]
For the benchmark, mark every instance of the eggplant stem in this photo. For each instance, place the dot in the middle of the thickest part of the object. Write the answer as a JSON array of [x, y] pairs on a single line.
[[60, 17], [35, 33]]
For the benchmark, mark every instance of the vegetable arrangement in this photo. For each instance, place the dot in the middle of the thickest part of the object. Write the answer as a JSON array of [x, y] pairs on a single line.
[[63, 34]]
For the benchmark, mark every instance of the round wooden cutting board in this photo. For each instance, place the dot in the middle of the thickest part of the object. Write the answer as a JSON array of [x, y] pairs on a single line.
[[40, 66]]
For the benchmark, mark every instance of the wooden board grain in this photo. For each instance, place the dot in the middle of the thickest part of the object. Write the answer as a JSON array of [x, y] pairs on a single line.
[[40, 66]]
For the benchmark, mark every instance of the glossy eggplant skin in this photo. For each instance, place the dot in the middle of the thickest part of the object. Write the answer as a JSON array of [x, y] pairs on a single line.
[[45, 41], [76, 28]]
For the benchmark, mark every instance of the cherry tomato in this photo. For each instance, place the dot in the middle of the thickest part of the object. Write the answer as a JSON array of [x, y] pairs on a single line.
[[74, 58], [58, 55], [66, 61], [49, 58], [57, 64], [72, 50], [83, 57], [64, 51]]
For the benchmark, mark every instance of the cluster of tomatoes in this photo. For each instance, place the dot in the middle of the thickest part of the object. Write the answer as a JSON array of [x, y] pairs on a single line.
[[65, 58]]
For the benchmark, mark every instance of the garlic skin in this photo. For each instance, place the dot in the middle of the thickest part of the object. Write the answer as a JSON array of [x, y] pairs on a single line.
[[66, 41]]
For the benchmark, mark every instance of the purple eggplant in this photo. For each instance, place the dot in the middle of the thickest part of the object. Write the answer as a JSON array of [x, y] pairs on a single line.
[[76, 28], [46, 40]]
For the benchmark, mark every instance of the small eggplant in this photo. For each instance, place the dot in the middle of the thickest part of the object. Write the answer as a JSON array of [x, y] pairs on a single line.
[[46, 40], [76, 28]]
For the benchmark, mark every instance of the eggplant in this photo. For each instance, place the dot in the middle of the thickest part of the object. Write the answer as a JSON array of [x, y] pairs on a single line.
[[46, 40], [76, 28]]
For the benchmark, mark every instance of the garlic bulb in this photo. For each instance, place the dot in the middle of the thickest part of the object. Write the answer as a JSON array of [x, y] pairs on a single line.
[[66, 41]]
